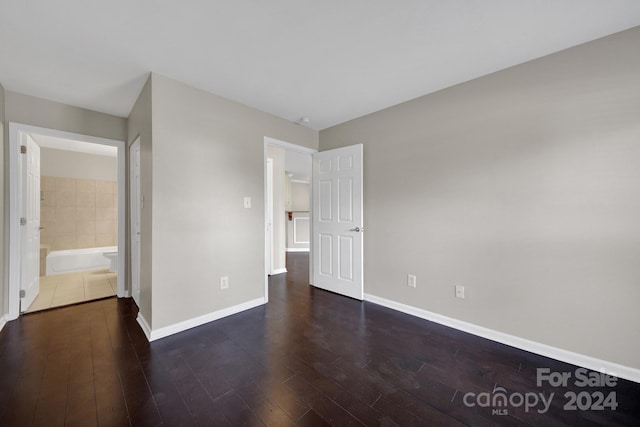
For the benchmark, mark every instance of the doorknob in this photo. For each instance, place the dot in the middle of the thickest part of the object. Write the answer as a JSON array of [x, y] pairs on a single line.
[[357, 229]]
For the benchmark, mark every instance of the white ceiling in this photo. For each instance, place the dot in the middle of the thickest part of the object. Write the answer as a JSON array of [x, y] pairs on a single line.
[[330, 60]]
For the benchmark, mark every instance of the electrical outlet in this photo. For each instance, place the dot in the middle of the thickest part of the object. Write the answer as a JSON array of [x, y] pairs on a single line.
[[224, 282], [411, 280], [459, 291], [247, 202]]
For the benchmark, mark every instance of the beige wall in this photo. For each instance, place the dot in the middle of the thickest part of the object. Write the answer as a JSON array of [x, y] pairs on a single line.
[[300, 196], [140, 125], [207, 155], [33, 111], [3, 192], [72, 164], [78, 213], [2, 103], [524, 187], [79, 200]]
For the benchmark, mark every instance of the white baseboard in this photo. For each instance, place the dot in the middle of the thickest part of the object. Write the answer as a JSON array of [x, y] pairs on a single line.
[[278, 271], [614, 369], [297, 249], [3, 321], [156, 334], [144, 325]]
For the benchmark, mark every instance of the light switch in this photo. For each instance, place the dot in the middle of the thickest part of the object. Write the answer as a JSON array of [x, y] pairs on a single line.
[[247, 202]]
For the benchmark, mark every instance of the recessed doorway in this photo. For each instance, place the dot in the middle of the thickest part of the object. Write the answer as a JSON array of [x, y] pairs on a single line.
[[74, 211], [287, 169]]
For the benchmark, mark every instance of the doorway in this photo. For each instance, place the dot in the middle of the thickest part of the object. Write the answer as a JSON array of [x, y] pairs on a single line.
[[25, 264], [278, 203], [336, 249]]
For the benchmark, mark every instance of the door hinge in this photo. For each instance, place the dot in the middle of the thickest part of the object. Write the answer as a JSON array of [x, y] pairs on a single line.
[[23, 149], [23, 293], [23, 221]]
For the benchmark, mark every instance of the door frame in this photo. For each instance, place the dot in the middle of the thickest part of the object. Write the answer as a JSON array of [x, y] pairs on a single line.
[[268, 201], [134, 266], [13, 257], [287, 146]]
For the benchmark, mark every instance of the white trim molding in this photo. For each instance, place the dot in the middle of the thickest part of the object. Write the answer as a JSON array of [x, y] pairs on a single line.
[[297, 249], [3, 321], [165, 331], [614, 369], [295, 230], [144, 326], [289, 146], [278, 271]]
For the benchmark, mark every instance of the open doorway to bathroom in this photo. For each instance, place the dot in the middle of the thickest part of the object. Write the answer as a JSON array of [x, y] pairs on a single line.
[[66, 219], [78, 222]]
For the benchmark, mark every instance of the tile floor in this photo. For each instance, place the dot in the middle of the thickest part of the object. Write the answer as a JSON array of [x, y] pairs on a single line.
[[71, 288]]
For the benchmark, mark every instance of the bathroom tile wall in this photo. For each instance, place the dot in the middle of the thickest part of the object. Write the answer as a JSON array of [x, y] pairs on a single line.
[[78, 213]]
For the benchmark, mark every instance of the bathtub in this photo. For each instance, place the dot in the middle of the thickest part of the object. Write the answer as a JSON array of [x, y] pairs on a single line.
[[69, 261]]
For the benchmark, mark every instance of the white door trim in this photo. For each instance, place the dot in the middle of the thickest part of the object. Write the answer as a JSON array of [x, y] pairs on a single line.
[[12, 259], [134, 217], [268, 204], [290, 147]]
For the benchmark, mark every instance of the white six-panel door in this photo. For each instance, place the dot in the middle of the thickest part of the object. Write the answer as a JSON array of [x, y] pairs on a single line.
[[30, 275], [338, 221]]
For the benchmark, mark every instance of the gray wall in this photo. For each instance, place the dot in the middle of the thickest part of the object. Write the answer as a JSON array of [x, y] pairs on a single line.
[[300, 196], [29, 110], [523, 186], [207, 155], [3, 279], [72, 164], [140, 126], [1, 103]]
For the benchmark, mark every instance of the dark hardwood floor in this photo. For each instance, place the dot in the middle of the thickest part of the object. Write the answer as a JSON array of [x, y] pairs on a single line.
[[308, 358]]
